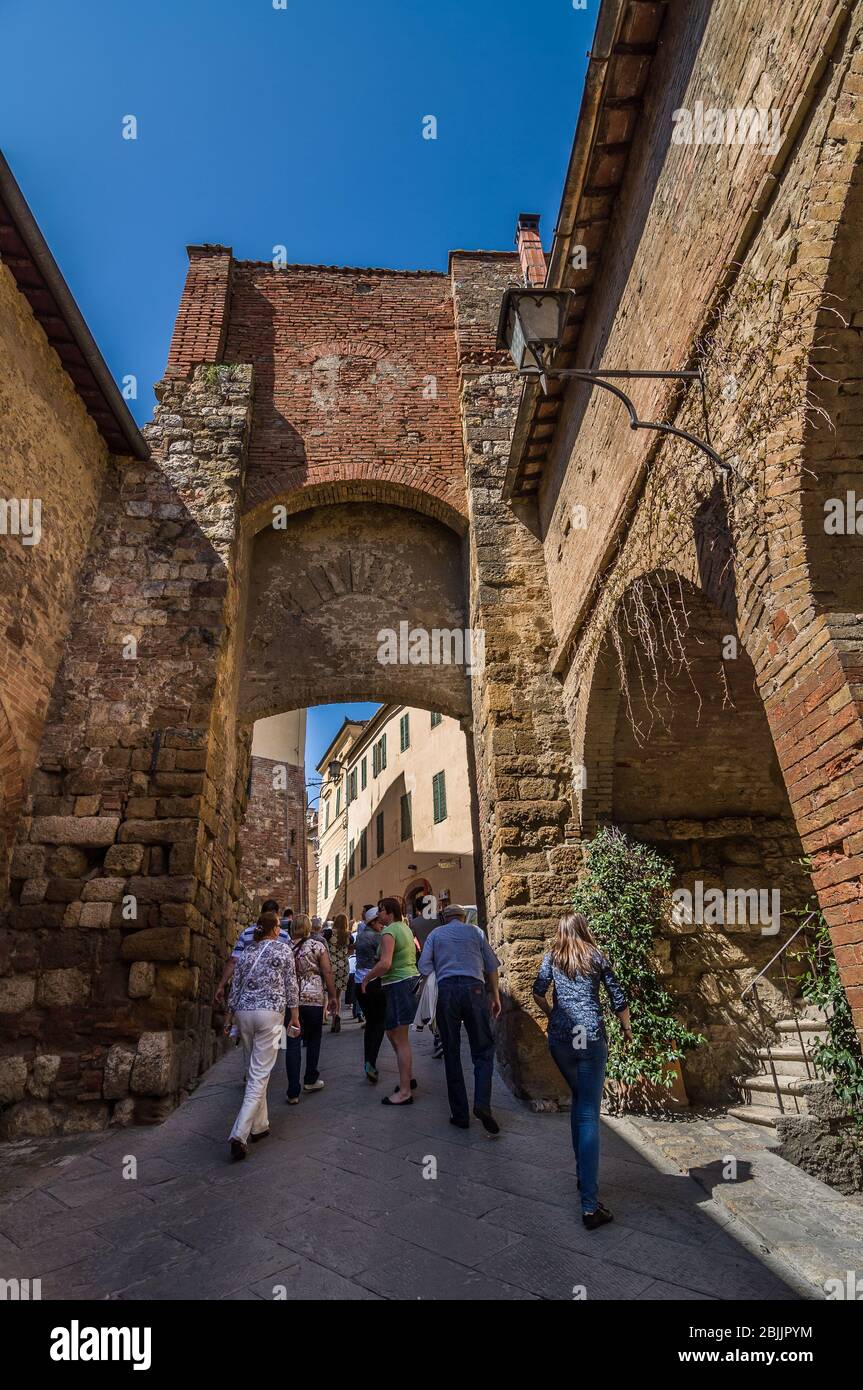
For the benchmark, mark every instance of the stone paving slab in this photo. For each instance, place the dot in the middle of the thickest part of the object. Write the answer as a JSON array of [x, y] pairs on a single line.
[[340, 1202], [813, 1229]]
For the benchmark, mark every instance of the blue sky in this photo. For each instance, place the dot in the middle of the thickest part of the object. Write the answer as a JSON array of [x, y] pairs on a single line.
[[259, 127]]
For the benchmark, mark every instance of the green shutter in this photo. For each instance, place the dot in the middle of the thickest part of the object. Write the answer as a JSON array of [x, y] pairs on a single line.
[[364, 775], [435, 720], [407, 820], [364, 849], [327, 881], [439, 796], [404, 732], [337, 874], [383, 751]]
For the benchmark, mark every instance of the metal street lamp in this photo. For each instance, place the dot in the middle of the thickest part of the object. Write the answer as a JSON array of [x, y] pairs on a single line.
[[530, 328]]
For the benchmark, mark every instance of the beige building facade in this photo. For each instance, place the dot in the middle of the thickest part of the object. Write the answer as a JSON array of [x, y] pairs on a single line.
[[406, 827], [333, 821]]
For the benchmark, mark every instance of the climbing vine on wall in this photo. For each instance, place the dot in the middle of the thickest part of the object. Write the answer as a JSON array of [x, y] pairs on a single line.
[[838, 1057], [625, 895]]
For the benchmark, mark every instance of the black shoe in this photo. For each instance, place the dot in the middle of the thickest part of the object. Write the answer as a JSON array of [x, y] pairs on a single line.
[[459, 1124], [264, 1134], [238, 1150], [594, 1219], [486, 1118]]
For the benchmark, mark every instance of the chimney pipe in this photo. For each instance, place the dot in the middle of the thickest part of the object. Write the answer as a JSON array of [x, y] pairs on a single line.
[[530, 252]]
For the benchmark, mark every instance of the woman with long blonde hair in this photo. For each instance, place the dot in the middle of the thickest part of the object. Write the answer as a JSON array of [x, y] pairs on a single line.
[[578, 1042], [339, 947]]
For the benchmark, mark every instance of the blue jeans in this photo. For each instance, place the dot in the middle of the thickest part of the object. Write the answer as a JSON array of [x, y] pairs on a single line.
[[312, 1024], [584, 1070], [463, 1000]]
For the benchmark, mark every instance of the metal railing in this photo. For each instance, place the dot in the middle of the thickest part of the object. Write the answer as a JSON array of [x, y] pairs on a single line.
[[768, 1028]]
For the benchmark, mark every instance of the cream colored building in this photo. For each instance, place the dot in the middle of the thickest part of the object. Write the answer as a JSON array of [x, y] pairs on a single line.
[[333, 822], [407, 825]]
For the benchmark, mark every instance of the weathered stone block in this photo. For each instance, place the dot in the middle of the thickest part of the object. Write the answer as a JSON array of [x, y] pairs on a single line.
[[103, 890], [13, 1079], [142, 979], [74, 830], [17, 993], [45, 1069], [125, 859], [152, 1070], [118, 1070], [157, 944], [62, 988], [95, 915], [157, 832]]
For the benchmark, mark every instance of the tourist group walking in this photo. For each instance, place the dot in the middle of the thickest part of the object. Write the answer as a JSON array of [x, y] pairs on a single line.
[[287, 975]]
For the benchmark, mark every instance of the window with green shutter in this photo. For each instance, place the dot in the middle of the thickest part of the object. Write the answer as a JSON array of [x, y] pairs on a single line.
[[379, 827], [352, 868], [326, 881], [407, 822], [404, 732], [439, 796], [435, 719], [337, 875], [364, 775], [364, 849], [383, 751], [339, 799]]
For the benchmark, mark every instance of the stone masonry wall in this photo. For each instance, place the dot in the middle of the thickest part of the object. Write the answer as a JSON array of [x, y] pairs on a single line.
[[50, 450], [124, 874], [273, 836], [523, 751]]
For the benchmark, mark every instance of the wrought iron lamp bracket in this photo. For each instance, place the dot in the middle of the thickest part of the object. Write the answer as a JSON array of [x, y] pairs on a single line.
[[605, 380]]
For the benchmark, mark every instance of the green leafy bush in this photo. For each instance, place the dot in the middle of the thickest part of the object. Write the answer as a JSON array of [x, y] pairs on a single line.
[[625, 896], [838, 1057]]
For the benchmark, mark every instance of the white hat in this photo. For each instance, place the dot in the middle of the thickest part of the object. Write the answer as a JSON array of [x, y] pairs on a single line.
[[370, 914]]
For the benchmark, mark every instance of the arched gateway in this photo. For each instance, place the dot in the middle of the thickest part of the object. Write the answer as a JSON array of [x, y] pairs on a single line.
[[308, 493]]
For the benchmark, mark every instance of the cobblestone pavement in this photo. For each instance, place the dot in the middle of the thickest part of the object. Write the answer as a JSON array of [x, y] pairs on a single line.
[[801, 1220], [335, 1204]]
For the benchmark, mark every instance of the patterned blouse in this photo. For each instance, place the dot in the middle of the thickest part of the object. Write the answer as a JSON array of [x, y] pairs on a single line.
[[576, 1000], [265, 978], [307, 958], [339, 962]]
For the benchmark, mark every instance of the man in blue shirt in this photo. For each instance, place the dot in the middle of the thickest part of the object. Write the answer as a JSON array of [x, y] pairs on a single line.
[[463, 964]]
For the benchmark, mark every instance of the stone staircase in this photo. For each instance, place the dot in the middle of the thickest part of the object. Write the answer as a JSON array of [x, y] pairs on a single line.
[[761, 1103]]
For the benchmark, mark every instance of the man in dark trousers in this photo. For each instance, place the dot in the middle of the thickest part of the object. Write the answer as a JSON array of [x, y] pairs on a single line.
[[464, 964]]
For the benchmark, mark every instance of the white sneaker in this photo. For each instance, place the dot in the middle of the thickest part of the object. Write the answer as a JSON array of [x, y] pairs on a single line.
[[315, 1086]]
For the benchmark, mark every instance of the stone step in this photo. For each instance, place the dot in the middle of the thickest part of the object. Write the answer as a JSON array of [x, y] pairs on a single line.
[[760, 1090], [790, 1061], [809, 1027], [754, 1115]]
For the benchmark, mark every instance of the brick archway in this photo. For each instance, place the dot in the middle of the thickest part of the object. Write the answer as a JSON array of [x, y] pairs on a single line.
[[684, 760]]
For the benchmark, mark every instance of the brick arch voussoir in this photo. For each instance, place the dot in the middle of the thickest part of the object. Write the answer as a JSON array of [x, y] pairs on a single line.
[[436, 500]]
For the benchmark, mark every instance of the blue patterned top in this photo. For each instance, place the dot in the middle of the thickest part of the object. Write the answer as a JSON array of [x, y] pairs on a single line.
[[576, 1001]]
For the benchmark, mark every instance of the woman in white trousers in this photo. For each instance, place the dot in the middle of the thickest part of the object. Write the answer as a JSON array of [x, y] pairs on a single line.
[[263, 990]]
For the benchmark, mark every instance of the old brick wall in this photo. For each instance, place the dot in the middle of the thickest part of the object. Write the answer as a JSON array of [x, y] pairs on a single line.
[[273, 835], [355, 377], [782, 588], [49, 450]]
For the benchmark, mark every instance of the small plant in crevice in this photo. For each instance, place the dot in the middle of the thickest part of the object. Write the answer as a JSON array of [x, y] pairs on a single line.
[[625, 895], [838, 1058]]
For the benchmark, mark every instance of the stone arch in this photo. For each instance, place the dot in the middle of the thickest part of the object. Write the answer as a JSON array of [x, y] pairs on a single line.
[[701, 782], [322, 590], [388, 492]]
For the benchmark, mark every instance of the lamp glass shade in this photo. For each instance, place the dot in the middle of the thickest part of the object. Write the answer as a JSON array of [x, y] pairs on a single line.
[[334, 769], [534, 319]]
